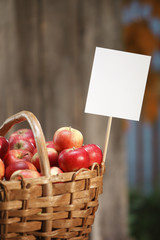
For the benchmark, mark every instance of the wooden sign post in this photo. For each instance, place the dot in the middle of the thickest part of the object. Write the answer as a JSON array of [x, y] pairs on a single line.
[[107, 138], [117, 86]]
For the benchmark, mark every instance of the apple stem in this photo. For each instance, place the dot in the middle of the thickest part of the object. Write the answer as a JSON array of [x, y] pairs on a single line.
[[70, 128]]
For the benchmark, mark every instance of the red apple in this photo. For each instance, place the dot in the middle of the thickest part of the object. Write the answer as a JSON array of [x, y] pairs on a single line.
[[18, 165], [52, 156], [4, 146], [67, 137], [35, 151], [22, 144], [2, 169], [73, 159], [55, 171], [15, 155], [25, 173], [25, 134], [95, 153], [50, 144]]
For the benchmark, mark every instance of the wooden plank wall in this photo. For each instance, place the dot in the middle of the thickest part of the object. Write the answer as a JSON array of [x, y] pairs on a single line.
[[141, 32], [143, 140], [47, 48]]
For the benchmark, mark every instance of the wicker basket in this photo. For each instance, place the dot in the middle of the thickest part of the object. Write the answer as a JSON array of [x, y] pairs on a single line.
[[48, 207]]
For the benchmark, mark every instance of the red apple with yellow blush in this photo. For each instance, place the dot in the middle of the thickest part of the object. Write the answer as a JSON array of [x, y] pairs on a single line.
[[52, 156], [67, 137], [50, 144], [22, 144], [15, 155], [18, 165], [25, 173], [55, 171], [25, 134]]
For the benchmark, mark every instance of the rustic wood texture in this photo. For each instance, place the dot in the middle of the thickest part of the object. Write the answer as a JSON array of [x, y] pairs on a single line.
[[47, 49]]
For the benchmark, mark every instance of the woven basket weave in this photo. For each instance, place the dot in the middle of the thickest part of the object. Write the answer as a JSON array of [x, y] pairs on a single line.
[[48, 207]]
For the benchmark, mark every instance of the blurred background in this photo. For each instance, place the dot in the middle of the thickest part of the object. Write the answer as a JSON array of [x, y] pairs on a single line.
[[46, 54]]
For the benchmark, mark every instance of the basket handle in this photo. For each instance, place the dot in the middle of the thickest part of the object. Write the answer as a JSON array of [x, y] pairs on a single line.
[[38, 135], [42, 151]]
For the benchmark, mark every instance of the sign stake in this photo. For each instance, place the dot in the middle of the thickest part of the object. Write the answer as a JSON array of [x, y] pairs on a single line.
[[109, 123]]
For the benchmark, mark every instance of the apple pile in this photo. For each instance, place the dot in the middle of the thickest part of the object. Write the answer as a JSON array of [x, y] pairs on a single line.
[[66, 153]]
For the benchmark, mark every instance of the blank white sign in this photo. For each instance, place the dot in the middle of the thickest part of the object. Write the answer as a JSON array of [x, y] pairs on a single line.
[[117, 84]]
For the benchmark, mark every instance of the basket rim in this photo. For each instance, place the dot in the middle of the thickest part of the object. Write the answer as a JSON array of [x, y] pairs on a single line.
[[82, 173]]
